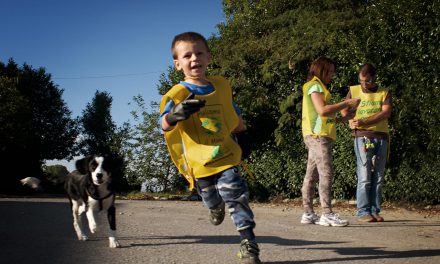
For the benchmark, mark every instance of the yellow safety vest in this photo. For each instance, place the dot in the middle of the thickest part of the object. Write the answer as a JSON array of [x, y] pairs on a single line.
[[309, 114], [202, 145], [371, 103]]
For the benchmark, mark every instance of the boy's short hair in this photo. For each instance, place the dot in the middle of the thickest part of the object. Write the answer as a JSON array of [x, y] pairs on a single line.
[[189, 37], [367, 69]]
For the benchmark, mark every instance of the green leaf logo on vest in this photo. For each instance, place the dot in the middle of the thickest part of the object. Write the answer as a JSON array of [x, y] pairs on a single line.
[[212, 125], [216, 152]]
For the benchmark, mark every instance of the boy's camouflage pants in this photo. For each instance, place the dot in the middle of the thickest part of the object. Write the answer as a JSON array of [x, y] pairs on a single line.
[[232, 189]]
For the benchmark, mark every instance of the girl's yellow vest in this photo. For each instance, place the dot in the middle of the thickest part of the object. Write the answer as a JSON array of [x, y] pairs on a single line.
[[371, 103], [309, 114], [202, 146]]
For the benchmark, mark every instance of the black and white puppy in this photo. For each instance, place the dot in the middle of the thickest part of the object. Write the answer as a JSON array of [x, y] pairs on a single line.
[[90, 190]]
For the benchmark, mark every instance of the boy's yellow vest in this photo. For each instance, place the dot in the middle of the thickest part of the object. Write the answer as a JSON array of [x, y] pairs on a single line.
[[202, 146], [309, 114], [371, 103]]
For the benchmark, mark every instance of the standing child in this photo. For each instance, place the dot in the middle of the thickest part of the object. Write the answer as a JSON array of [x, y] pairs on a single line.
[[319, 132], [371, 138], [200, 121]]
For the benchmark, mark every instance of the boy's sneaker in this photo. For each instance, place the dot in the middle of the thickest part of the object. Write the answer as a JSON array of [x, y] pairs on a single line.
[[378, 218], [309, 218], [367, 219], [217, 215], [332, 219], [249, 252]]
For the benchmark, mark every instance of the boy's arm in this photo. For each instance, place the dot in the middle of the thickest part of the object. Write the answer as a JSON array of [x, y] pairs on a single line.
[[242, 138], [181, 111], [163, 122], [241, 127], [165, 125]]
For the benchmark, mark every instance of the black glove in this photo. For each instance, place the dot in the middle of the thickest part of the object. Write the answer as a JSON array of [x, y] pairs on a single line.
[[243, 141], [184, 110]]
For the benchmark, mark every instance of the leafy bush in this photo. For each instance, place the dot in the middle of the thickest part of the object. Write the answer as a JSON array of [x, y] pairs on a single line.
[[267, 59]]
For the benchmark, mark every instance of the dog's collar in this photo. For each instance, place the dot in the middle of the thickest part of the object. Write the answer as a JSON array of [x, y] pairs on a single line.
[[99, 198]]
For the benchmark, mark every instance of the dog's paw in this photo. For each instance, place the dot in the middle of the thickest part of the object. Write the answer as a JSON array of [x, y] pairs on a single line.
[[83, 238], [93, 228], [113, 243]]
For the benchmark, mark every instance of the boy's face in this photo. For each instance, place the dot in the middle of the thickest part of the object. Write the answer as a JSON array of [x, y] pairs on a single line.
[[366, 81], [192, 58]]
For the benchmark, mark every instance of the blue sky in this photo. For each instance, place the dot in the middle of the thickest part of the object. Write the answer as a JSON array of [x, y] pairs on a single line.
[[117, 46]]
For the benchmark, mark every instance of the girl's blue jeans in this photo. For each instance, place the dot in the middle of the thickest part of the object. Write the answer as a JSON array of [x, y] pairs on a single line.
[[370, 173], [233, 190]]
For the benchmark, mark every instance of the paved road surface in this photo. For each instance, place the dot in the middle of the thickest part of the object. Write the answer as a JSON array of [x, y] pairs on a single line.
[[39, 230]]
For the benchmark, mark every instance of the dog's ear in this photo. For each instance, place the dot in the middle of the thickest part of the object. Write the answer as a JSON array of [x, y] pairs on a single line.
[[82, 165], [112, 162]]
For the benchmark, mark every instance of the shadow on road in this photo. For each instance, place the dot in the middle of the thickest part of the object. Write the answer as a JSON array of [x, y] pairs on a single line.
[[364, 253], [224, 240], [351, 253]]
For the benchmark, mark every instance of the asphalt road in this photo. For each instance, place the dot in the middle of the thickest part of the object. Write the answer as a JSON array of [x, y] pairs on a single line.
[[39, 230]]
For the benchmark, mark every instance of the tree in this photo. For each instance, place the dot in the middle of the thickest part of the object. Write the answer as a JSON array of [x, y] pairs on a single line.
[[57, 173], [55, 177], [147, 155], [98, 127], [35, 123]]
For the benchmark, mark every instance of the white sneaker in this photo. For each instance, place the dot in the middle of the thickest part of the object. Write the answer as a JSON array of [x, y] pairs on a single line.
[[332, 219], [309, 218]]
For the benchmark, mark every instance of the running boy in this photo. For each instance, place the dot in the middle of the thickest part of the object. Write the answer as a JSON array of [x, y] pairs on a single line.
[[200, 121]]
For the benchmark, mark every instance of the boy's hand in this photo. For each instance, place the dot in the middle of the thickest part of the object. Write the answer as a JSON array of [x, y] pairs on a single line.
[[184, 110], [351, 124], [355, 123]]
